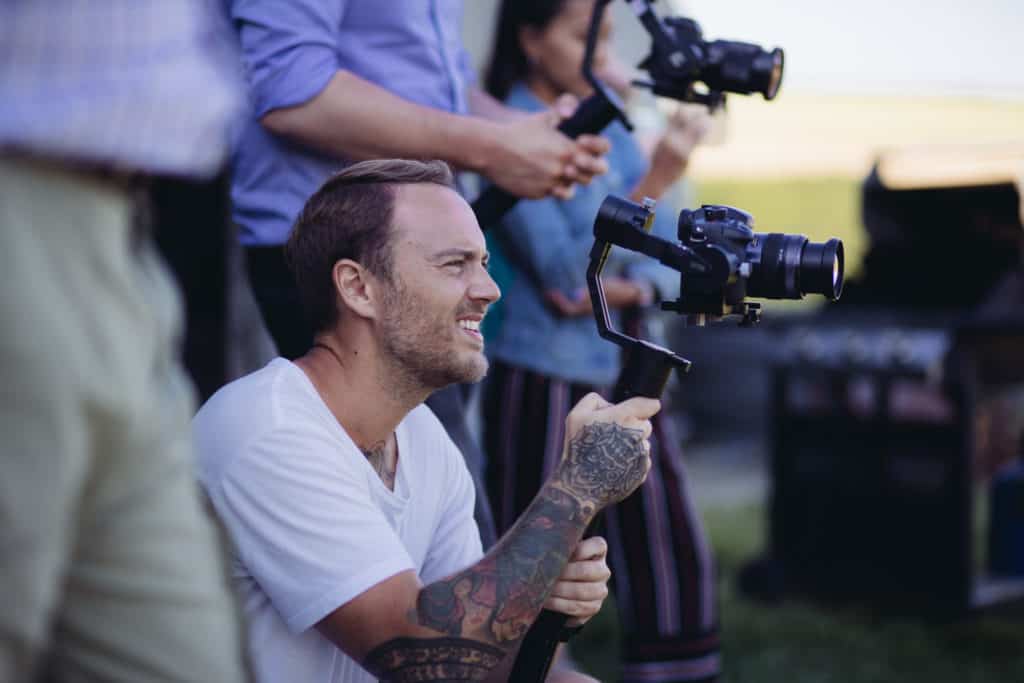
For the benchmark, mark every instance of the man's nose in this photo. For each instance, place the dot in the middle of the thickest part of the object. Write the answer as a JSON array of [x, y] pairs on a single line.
[[484, 288]]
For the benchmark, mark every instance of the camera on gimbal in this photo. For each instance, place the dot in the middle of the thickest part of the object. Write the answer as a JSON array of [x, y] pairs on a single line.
[[720, 260], [681, 66], [742, 263], [680, 57]]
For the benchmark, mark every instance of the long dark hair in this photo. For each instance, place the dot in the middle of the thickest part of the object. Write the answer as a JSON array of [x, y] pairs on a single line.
[[508, 61]]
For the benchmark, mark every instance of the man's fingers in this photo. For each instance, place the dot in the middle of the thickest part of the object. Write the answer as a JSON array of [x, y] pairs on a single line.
[[565, 106], [638, 407], [594, 145], [586, 571], [585, 166], [589, 403], [563, 192], [574, 608], [592, 548], [580, 591]]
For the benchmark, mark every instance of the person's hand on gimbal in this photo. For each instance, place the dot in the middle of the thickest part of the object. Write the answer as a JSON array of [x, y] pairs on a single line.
[[530, 158]]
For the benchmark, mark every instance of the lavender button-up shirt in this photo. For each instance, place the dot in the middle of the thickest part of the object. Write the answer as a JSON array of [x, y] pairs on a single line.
[[292, 48], [138, 84]]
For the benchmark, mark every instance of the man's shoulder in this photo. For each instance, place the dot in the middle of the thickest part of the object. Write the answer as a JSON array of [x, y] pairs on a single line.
[[427, 437], [424, 427], [253, 393], [248, 409]]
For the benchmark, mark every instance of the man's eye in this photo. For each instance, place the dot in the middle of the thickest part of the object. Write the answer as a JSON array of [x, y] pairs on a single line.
[[455, 265]]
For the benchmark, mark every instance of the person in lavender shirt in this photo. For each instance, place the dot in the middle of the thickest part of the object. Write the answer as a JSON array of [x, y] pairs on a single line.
[[110, 569]]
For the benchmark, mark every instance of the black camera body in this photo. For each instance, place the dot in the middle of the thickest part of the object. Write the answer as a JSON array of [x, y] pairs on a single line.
[[741, 263], [680, 57], [721, 261]]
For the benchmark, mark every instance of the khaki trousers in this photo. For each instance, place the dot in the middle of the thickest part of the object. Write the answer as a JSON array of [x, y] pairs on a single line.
[[109, 570]]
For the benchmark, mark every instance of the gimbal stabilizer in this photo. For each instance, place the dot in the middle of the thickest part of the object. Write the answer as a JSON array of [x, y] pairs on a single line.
[[721, 261], [679, 61]]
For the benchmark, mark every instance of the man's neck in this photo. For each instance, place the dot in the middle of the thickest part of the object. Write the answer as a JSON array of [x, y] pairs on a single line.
[[354, 383]]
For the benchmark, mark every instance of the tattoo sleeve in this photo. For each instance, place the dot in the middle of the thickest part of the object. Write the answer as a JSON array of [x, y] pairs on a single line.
[[486, 609], [433, 659], [605, 462]]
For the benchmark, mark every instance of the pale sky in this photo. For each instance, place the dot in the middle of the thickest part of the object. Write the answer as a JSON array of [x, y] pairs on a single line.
[[920, 47]]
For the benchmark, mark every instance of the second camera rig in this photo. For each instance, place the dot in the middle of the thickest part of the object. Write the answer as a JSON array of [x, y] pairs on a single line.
[[681, 66]]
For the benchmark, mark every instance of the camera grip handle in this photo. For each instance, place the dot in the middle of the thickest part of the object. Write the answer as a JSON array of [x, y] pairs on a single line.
[[645, 373], [591, 116], [539, 645]]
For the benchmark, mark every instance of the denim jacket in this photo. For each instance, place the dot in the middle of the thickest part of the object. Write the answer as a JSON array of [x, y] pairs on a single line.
[[545, 245]]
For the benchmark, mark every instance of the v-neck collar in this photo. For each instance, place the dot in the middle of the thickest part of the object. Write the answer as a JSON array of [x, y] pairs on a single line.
[[399, 497]]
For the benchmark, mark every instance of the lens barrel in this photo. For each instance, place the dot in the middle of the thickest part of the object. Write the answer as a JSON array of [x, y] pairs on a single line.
[[790, 266], [821, 268], [743, 68]]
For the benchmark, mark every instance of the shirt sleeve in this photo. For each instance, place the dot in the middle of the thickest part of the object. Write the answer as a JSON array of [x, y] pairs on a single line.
[[456, 541], [289, 48], [540, 240], [469, 77], [304, 524]]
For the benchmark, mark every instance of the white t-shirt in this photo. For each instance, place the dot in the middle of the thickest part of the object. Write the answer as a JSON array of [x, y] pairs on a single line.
[[313, 525]]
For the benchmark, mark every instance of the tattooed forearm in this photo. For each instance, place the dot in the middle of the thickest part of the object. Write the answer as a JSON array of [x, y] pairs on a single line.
[[405, 660], [499, 597], [605, 462]]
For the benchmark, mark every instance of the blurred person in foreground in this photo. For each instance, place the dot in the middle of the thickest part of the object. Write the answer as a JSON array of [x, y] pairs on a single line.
[[109, 569], [351, 510], [547, 353], [337, 81]]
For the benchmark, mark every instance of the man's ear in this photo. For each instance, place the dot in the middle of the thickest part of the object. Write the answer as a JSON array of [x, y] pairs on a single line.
[[356, 287]]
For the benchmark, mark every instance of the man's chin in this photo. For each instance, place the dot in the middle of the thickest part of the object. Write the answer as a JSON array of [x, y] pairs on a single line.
[[475, 371], [470, 372]]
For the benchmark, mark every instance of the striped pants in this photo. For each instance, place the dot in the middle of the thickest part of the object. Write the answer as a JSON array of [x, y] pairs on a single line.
[[662, 569]]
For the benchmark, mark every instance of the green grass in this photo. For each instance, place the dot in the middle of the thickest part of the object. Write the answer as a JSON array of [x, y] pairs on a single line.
[[800, 642]]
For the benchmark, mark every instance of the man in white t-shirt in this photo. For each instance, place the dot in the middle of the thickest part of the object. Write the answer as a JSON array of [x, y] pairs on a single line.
[[351, 511]]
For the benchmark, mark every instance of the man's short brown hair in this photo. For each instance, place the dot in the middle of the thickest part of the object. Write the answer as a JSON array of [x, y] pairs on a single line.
[[349, 217]]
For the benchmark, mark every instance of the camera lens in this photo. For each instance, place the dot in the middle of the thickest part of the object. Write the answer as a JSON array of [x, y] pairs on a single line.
[[743, 68], [771, 63], [790, 266], [821, 268]]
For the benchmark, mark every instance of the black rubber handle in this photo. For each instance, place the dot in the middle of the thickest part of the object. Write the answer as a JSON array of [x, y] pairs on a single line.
[[646, 373], [592, 116], [539, 646]]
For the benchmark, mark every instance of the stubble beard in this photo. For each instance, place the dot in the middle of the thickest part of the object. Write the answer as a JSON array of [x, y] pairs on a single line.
[[418, 346]]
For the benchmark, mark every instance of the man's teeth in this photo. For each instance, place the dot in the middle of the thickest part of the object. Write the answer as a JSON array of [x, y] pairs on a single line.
[[473, 325]]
